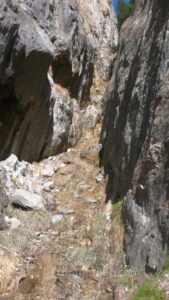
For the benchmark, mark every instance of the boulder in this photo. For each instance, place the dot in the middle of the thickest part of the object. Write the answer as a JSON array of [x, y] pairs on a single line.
[[27, 200]]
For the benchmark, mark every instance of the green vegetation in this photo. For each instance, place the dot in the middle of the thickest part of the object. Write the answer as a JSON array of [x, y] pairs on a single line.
[[149, 291], [166, 266], [129, 279], [116, 213], [115, 49], [125, 10]]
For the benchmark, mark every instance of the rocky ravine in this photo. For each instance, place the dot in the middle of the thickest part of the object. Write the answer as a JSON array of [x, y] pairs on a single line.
[[135, 134], [65, 244], [51, 52]]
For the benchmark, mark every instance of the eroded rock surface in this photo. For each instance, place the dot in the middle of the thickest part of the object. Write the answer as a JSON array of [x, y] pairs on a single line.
[[55, 36], [135, 134], [84, 34]]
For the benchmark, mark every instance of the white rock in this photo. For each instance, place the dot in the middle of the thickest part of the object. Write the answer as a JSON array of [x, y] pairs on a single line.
[[99, 178], [56, 219], [26, 199], [69, 150], [48, 171], [7, 220], [48, 186], [38, 189], [62, 165], [12, 161], [15, 223]]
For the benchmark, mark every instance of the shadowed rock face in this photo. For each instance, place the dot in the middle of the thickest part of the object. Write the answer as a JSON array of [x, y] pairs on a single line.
[[35, 117], [26, 53], [135, 134]]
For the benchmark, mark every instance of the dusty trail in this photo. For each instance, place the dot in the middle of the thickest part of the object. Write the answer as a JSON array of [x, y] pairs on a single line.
[[77, 257]]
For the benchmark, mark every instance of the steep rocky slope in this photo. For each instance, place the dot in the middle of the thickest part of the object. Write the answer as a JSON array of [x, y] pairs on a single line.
[[72, 249], [135, 134], [36, 106]]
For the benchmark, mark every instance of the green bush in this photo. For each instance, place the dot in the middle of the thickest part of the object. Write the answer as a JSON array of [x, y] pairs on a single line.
[[125, 10], [166, 266], [149, 291]]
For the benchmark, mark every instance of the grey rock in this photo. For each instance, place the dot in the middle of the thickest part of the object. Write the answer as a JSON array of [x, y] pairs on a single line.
[[99, 178], [4, 201], [135, 143], [62, 114], [77, 123], [3, 224], [26, 53], [14, 172], [91, 117], [56, 219], [12, 162], [27, 200]]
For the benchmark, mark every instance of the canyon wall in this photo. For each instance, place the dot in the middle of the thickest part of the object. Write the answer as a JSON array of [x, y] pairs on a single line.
[[49, 54], [135, 139]]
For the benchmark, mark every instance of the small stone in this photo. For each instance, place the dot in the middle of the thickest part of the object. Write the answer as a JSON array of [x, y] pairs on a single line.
[[48, 186], [62, 165], [15, 223], [56, 219], [91, 201], [69, 150], [7, 219], [48, 171], [67, 211], [38, 189], [99, 178], [84, 187]]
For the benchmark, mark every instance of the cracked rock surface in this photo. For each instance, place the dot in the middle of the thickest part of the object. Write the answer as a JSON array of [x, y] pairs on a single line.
[[135, 134]]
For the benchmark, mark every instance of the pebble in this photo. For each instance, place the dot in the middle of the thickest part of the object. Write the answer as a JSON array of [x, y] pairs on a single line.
[[48, 186], [92, 201], [56, 219], [99, 178], [15, 223], [48, 171]]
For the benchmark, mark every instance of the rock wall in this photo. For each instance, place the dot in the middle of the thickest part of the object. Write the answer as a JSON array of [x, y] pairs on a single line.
[[84, 34], [36, 115], [135, 134]]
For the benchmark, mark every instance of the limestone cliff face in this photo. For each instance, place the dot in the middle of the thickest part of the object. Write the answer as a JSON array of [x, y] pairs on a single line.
[[84, 33], [35, 116], [135, 133]]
